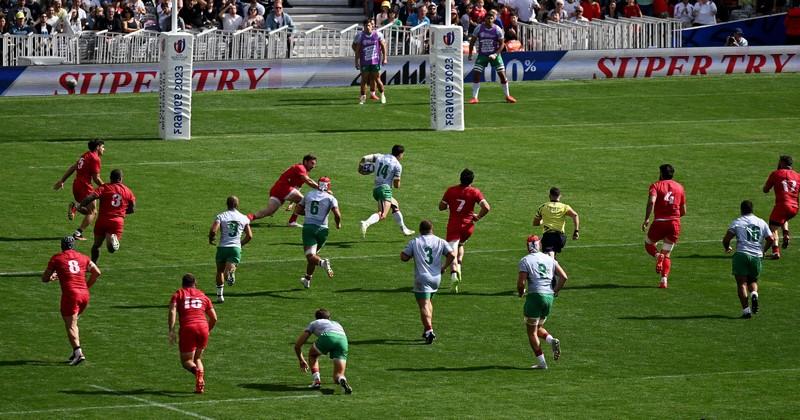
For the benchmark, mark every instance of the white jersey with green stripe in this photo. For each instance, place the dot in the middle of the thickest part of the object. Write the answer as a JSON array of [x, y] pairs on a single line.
[[540, 269], [322, 326], [232, 224], [387, 168], [317, 205], [427, 251], [750, 231]]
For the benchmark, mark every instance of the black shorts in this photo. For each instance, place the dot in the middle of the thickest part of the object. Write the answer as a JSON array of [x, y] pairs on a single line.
[[553, 241]]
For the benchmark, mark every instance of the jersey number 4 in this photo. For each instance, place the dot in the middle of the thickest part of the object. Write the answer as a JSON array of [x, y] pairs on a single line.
[[669, 198]]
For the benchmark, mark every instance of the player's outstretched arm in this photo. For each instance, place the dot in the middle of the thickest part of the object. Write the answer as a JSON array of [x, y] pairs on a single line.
[[311, 183], [248, 235], [60, 183], [726, 242], [521, 279], [298, 350], [94, 273], [212, 233], [172, 315]]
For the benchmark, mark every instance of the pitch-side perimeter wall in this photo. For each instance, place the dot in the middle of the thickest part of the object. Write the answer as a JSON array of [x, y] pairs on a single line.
[[297, 73]]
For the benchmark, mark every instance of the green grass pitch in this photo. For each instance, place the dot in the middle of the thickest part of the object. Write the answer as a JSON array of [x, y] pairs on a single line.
[[629, 350]]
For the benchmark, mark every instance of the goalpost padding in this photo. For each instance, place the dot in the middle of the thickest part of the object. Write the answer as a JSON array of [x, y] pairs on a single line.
[[175, 86], [447, 78]]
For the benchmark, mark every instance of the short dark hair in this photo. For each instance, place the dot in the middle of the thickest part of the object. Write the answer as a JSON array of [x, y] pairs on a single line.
[[555, 192], [746, 207], [667, 171], [467, 176], [786, 160], [425, 227], [94, 144], [398, 149], [233, 202], [116, 175], [308, 157], [322, 313], [188, 280]]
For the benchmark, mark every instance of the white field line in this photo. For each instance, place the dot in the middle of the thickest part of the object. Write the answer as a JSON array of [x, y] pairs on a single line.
[[736, 372], [168, 162], [153, 403], [352, 257], [668, 145], [149, 404]]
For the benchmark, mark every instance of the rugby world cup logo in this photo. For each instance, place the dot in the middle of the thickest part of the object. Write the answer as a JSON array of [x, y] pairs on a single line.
[[180, 46], [449, 38]]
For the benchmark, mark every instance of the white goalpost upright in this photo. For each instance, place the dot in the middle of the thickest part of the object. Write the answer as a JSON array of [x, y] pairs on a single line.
[[175, 82], [447, 75]]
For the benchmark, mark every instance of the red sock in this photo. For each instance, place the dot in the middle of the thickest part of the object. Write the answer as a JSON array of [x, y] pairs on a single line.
[[537, 353], [651, 249], [776, 249], [667, 266], [293, 218]]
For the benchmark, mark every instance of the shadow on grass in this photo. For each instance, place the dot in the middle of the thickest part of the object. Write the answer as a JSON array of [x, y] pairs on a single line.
[[140, 306], [270, 293], [362, 290], [32, 274], [609, 286], [460, 369], [284, 388], [31, 363], [388, 341], [33, 239], [123, 393], [676, 317], [704, 257]]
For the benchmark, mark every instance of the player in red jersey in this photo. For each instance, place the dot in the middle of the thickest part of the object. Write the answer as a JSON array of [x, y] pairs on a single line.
[[287, 187], [116, 202], [69, 267], [86, 169], [667, 203], [461, 200], [197, 318], [786, 183]]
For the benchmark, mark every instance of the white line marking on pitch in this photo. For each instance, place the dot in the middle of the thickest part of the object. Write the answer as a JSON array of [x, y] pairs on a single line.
[[153, 403], [150, 405], [652, 146], [167, 162], [347, 257], [737, 372]]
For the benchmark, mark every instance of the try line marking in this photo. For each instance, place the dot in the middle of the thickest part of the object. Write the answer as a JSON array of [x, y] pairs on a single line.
[[348, 257], [150, 404], [153, 403]]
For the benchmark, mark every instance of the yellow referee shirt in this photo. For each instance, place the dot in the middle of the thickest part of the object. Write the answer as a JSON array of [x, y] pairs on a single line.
[[553, 214]]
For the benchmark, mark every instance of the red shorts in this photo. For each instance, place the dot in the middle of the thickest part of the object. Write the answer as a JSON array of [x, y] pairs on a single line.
[[459, 230], [669, 230], [193, 337], [72, 304], [281, 191], [109, 226], [81, 191], [782, 213]]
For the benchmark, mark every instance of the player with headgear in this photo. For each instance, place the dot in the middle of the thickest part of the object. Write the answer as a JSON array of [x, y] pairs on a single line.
[[314, 207]]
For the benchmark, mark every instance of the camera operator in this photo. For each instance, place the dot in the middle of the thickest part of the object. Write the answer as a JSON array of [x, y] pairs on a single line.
[[736, 40]]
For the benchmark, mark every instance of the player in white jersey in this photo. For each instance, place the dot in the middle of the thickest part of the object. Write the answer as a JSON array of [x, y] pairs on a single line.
[[332, 341], [427, 250], [537, 272], [315, 207], [749, 231], [232, 225], [387, 176]]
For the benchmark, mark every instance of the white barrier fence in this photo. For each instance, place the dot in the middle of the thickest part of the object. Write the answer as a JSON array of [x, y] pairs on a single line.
[[256, 44]]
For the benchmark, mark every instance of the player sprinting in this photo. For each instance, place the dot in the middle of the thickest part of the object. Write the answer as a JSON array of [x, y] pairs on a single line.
[[116, 202], [786, 183], [197, 318], [489, 38], [232, 224], [69, 268], [552, 217], [749, 231], [370, 49], [87, 170], [332, 341], [427, 250], [287, 188], [667, 203], [315, 207], [387, 176], [461, 200], [536, 274]]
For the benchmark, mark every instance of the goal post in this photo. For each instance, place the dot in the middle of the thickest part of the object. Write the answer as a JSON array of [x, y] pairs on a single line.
[[447, 77], [175, 82]]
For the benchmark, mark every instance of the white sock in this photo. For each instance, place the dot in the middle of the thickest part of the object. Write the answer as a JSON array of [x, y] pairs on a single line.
[[315, 377], [746, 310], [77, 352], [475, 88], [429, 331], [372, 93], [505, 89], [398, 218], [454, 275], [754, 294], [374, 218], [219, 289], [540, 359], [549, 339]]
